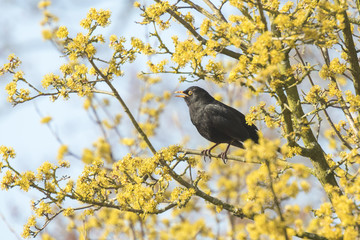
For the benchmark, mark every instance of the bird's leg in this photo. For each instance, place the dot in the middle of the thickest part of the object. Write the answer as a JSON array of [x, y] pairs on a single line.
[[207, 152], [223, 155], [191, 180]]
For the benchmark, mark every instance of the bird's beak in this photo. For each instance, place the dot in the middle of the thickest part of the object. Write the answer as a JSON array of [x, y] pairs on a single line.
[[182, 96]]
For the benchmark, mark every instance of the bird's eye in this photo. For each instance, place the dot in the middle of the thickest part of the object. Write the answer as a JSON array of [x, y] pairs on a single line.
[[190, 93]]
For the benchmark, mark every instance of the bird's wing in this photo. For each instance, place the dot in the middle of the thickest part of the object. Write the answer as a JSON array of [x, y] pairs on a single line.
[[229, 121], [252, 129]]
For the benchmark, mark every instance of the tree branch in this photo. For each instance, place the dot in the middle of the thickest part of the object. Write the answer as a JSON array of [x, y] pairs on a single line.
[[222, 50], [216, 10], [123, 104], [325, 111], [201, 10], [229, 157], [231, 208], [351, 51]]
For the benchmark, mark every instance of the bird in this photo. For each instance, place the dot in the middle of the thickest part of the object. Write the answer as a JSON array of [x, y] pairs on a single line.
[[216, 121]]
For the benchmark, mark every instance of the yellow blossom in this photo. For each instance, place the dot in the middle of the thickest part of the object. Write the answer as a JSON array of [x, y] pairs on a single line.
[[90, 50], [44, 4], [7, 180], [167, 95], [46, 120], [46, 170], [85, 23], [337, 67], [62, 151], [136, 4], [43, 208], [30, 223], [87, 103], [102, 17], [49, 79], [46, 236], [283, 21], [47, 34], [286, 7], [314, 94], [204, 28], [353, 100], [218, 96], [7, 152], [305, 186], [18, 75], [113, 38], [334, 90], [87, 156], [62, 32], [26, 180], [11, 89], [68, 212]]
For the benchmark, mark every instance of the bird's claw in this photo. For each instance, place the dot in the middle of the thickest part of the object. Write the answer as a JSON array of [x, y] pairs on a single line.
[[223, 156], [206, 153]]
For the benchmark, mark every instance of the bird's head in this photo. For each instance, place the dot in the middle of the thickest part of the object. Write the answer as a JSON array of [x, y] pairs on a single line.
[[195, 95]]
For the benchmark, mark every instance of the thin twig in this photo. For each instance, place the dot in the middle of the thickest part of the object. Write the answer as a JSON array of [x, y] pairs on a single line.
[[216, 10], [276, 200], [222, 50], [324, 109], [229, 157], [201, 10], [9, 226], [123, 104]]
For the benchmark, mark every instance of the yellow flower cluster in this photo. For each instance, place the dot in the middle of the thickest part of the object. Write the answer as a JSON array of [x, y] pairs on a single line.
[[269, 115], [8, 180], [7, 152], [62, 32], [45, 179], [81, 44], [283, 22], [157, 68], [99, 17], [44, 4], [334, 68], [14, 62], [63, 150], [334, 91], [241, 69], [205, 26], [101, 153], [181, 195], [50, 79], [153, 13], [46, 120], [187, 51], [141, 47], [30, 223], [241, 25], [353, 100], [43, 209], [25, 180], [314, 94], [216, 71]]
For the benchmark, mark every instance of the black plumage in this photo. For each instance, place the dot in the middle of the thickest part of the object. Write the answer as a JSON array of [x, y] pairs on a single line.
[[216, 121]]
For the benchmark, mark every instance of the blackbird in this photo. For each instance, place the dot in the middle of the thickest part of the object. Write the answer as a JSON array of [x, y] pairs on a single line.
[[216, 121]]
